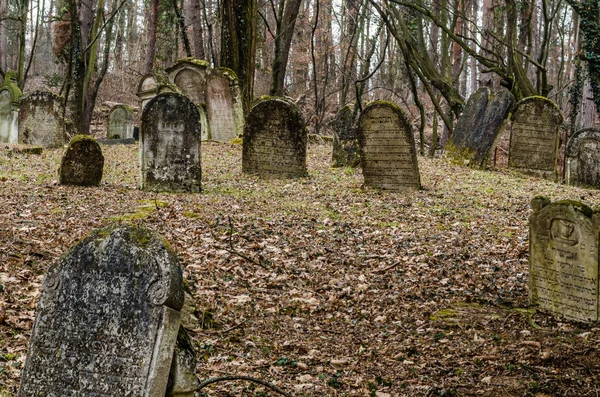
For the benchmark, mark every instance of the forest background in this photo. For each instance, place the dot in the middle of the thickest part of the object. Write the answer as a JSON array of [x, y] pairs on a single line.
[[426, 55]]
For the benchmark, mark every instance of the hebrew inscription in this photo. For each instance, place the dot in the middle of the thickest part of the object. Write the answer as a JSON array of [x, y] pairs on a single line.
[[563, 264]]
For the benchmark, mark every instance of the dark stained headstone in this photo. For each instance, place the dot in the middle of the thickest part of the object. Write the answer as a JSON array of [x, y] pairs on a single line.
[[563, 259], [82, 163], [345, 145], [275, 139], [583, 158], [41, 121], [477, 130], [387, 148], [170, 145], [107, 320], [534, 137], [120, 122]]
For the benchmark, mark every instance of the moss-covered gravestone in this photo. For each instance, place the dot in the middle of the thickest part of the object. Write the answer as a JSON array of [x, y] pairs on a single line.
[[274, 140], [120, 122], [583, 158], [534, 137], [107, 319], [82, 163], [387, 148], [477, 130], [224, 105], [563, 258], [41, 120], [9, 109], [345, 144], [170, 145]]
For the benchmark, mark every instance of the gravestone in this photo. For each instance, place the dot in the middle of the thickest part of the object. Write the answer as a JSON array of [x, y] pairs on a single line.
[[387, 148], [147, 89], [120, 122], [170, 145], [223, 105], [274, 140], [563, 258], [478, 128], [83, 162], [534, 137], [9, 109], [41, 121], [583, 158], [107, 320], [345, 145]]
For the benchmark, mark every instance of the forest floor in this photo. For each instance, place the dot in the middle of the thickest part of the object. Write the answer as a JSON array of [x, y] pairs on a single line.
[[342, 291]]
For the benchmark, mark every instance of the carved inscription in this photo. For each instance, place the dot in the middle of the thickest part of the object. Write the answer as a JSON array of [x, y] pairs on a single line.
[[387, 150], [564, 262], [275, 140], [534, 135]]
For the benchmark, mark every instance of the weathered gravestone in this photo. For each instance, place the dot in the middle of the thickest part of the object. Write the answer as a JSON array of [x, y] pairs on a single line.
[[583, 158], [345, 145], [120, 122], [224, 105], [170, 145], [189, 74], [9, 109], [387, 148], [534, 137], [274, 140], [107, 320], [147, 89], [41, 120], [563, 258], [83, 162], [478, 127]]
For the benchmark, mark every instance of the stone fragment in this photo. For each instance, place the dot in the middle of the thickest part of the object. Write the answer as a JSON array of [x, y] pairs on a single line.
[[583, 158], [387, 148], [563, 259], [82, 163], [170, 145], [534, 137], [183, 381], [107, 319], [275, 139], [120, 123]]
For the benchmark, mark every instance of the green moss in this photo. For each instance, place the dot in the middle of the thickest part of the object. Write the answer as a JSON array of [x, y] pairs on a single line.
[[445, 315], [545, 100], [587, 211], [191, 215], [192, 61], [237, 141], [460, 156], [142, 212], [229, 73]]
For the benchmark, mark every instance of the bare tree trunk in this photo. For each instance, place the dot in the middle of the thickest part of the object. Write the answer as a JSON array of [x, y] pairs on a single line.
[[3, 35], [283, 42], [151, 49], [196, 21]]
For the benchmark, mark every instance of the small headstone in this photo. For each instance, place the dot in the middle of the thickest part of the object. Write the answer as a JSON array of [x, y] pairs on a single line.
[[183, 381], [41, 121], [83, 162], [9, 109], [563, 258], [170, 145], [478, 128], [189, 74], [147, 89], [107, 320], [583, 158], [534, 137], [345, 144], [387, 148], [224, 108], [120, 122], [274, 140]]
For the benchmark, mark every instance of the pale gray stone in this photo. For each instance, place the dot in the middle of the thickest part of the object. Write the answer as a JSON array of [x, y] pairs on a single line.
[[120, 122], [41, 121], [224, 105], [9, 109], [583, 158]]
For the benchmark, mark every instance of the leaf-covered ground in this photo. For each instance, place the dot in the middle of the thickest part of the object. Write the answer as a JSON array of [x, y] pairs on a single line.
[[315, 285]]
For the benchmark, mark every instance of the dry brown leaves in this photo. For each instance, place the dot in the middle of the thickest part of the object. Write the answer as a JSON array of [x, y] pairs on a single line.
[[315, 285]]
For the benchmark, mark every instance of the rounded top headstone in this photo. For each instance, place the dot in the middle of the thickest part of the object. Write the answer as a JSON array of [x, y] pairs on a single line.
[[83, 162]]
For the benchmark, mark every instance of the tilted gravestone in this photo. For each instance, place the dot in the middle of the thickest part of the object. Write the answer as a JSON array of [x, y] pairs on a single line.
[[387, 148], [477, 130], [534, 137], [170, 145], [583, 158], [345, 145], [41, 121], [563, 258], [224, 105], [83, 162], [9, 109], [107, 320], [120, 122], [274, 140]]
